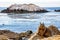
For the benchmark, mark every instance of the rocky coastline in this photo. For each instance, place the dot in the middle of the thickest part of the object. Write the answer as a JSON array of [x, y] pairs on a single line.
[[9, 35], [24, 8], [57, 10], [43, 32]]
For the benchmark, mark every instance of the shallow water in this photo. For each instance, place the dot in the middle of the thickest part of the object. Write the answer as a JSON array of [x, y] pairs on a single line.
[[31, 21]]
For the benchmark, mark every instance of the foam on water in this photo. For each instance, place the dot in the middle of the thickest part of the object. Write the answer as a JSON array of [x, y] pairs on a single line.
[[21, 24]]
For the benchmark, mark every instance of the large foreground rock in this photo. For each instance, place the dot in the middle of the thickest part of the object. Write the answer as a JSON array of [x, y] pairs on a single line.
[[8, 34], [55, 37], [3, 37], [24, 8]]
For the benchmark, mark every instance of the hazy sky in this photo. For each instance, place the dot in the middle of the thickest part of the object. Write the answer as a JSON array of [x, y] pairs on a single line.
[[42, 3]]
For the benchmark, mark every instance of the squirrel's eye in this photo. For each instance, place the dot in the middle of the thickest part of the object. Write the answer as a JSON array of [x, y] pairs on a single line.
[[42, 29]]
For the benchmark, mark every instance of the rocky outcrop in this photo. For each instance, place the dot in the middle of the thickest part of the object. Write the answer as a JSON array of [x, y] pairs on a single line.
[[9, 35], [25, 35], [57, 10], [24, 8], [3, 37], [55, 37]]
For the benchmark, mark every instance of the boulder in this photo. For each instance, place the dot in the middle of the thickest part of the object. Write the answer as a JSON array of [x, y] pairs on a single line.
[[29, 32], [25, 35], [57, 10], [55, 37], [3, 37], [24, 8], [7, 34], [11, 35]]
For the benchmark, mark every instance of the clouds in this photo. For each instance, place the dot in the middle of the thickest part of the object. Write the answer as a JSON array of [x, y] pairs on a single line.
[[42, 3]]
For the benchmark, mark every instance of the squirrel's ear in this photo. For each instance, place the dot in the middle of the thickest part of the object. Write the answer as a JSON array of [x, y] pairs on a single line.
[[43, 23]]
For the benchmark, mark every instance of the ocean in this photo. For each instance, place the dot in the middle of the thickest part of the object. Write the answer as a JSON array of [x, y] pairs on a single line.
[[29, 21]]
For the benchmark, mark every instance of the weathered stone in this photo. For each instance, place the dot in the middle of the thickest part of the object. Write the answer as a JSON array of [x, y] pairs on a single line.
[[24, 8], [25, 35], [55, 37], [9, 34], [3, 37], [57, 10]]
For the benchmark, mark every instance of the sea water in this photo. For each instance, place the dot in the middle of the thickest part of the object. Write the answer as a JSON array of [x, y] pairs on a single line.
[[28, 21]]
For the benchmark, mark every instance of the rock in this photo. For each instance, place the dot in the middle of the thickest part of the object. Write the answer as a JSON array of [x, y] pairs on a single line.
[[24, 8], [55, 37], [57, 10], [29, 32], [15, 36], [35, 37], [3, 37], [25, 35], [11, 35]]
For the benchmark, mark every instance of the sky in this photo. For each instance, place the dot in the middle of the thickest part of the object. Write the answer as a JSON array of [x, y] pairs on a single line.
[[41, 3]]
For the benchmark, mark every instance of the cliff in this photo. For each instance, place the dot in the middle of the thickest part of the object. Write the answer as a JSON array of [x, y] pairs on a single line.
[[23, 8]]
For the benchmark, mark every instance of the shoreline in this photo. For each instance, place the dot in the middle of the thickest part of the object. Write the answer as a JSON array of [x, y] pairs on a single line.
[[42, 33]]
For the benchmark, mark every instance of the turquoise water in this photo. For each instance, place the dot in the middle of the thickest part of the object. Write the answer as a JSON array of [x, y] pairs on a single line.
[[31, 21]]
